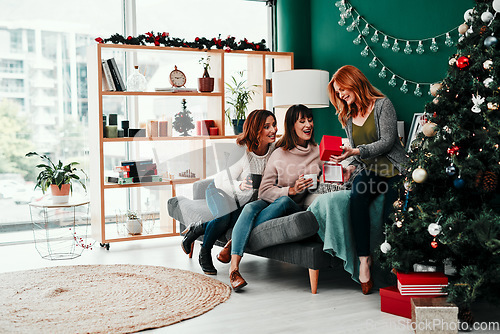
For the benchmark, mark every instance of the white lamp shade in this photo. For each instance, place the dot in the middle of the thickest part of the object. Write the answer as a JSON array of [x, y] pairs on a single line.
[[307, 87]]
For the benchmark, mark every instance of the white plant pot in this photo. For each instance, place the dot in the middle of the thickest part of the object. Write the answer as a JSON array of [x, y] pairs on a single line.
[[134, 226]]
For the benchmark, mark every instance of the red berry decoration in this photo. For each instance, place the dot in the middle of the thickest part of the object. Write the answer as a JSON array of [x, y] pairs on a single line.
[[462, 62], [434, 244]]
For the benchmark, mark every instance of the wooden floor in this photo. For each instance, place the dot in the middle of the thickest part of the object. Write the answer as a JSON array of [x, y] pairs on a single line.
[[276, 300]]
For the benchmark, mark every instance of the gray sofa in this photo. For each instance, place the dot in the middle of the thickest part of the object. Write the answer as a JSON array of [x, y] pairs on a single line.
[[292, 239]]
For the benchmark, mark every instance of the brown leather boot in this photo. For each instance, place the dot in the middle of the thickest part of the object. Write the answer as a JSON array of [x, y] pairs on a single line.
[[237, 282], [224, 255]]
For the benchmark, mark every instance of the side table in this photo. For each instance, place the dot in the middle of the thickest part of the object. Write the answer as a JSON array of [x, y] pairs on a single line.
[[60, 230]]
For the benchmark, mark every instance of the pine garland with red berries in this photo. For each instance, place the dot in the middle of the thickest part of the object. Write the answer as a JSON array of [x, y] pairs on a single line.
[[164, 39]]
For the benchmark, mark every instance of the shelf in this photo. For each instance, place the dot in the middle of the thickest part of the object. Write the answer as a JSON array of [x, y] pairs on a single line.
[[125, 93], [132, 139], [150, 184]]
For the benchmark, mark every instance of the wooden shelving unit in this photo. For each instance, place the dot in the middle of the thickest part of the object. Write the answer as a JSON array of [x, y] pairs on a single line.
[[258, 65]]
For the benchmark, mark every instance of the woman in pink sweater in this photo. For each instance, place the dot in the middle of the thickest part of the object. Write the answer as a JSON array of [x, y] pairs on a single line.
[[283, 185]]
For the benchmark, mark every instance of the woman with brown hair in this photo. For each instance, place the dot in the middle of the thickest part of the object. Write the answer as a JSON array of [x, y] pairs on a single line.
[[283, 185], [234, 186], [370, 123]]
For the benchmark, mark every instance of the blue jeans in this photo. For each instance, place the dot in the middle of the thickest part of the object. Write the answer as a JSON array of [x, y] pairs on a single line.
[[256, 213], [224, 214], [365, 187]]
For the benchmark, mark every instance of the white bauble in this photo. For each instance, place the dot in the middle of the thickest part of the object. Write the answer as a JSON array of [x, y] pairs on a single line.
[[434, 229], [487, 64], [452, 61], [468, 14], [496, 5], [487, 82], [486, 17], [385, 247], [419, 175]]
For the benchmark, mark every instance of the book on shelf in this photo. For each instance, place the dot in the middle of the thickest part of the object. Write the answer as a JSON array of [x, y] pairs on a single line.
[[115, 73], [176, 89], [107, 79], [132, 180]]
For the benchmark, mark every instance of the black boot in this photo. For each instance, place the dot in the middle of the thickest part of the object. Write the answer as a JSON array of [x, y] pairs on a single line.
[[205, 260], [191, 233]]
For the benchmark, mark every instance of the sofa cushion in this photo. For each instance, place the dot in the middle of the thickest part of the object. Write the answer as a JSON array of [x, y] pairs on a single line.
[[188, 211], [282, 230]]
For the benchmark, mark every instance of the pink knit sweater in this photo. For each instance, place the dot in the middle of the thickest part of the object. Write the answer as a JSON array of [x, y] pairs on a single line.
[[285, 167]]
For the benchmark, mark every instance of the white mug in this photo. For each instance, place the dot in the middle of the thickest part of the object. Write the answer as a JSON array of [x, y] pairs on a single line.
[[314, 177]]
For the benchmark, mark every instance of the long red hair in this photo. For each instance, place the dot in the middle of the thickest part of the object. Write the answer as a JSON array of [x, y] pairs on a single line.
[[351, 78]]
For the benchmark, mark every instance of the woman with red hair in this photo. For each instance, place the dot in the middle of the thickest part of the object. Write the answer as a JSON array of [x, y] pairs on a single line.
[[378, 157]]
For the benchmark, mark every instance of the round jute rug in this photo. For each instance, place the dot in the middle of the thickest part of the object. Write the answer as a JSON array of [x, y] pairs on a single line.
[[104, 298]]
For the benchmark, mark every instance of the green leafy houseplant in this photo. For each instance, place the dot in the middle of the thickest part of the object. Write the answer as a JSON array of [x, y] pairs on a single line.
[[206, 83], [58, 175], [239, 95], [205, 62]]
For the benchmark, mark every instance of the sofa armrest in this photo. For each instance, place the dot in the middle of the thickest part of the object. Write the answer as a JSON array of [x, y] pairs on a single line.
[[199, 188]]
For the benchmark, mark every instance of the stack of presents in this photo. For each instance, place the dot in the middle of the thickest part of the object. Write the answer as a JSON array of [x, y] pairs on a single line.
[[133, 171], [418, 296]]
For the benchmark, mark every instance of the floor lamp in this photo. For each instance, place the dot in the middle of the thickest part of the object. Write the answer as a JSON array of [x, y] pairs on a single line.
[[307, 87]]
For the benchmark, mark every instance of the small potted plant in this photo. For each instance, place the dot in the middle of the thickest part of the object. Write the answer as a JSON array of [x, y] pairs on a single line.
[[58, 177], [134, 223], [205, 84], [239, 95]]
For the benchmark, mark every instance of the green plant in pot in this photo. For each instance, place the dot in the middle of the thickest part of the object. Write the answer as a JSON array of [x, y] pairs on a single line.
[[134, 223], [206, 83], [239, 95], [59, 178]]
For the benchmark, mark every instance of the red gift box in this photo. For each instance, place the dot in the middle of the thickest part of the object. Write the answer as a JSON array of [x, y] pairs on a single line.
[[432, 278], [391, 301], [214, 131], [330, 145], [203, 126]]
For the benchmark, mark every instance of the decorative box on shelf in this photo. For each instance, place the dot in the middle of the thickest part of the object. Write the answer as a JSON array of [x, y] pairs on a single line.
[[434, 315]]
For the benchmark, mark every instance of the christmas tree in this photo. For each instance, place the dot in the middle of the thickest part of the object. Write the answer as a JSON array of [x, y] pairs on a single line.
[[451, 209], [183, 121]]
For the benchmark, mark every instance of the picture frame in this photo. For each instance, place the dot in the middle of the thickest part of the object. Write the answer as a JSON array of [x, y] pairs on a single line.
[[416, 127]]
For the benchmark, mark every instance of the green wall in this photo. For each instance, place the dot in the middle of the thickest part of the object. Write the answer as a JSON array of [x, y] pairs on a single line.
[[310, 30]]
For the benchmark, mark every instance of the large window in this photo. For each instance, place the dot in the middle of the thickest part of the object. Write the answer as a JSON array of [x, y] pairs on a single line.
[[43, 87]]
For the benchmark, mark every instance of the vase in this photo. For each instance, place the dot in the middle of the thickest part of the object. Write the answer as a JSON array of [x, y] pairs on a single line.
[[206, 85], [136, 82], [60, 196], [134, 226], [238, 126]]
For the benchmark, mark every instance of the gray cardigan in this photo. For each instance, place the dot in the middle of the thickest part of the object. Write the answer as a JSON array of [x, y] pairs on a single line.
[[388, 140]]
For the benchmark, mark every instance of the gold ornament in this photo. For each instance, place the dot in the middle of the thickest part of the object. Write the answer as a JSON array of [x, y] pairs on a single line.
[[435, 87], [419, 175], [429, 129], [462, 29]]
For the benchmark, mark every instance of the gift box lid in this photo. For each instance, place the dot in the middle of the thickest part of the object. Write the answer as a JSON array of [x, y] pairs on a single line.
[[329, 145], [421, 279]]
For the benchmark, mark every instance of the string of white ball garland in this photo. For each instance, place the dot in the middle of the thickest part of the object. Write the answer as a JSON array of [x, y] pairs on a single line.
[[348, 11]]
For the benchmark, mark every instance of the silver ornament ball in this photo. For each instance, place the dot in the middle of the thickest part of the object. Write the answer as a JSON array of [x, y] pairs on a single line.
[[385, 247], [434, 229], [486, 17], [490, 41]]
